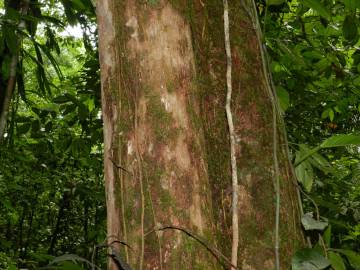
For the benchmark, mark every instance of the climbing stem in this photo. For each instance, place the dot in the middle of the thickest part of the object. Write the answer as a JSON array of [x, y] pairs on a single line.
[[235, 218], [140, 178], [275, 113]]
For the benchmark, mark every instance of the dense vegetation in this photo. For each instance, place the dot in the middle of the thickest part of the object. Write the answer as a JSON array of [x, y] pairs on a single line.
[[51, 190]]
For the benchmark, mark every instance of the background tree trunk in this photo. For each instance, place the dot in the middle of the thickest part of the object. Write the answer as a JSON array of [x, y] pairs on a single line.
[[167, 155]]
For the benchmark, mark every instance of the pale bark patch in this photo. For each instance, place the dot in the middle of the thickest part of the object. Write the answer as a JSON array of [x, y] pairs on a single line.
[[105, 16], [159, 42]]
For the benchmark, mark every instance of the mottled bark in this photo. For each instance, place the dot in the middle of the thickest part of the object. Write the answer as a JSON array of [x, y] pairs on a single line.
[[167, 151]]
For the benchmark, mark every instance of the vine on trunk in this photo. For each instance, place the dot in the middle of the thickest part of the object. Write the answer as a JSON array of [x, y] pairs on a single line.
[[235, 215]]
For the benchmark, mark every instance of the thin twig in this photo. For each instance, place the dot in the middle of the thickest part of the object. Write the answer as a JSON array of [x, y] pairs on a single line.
[[119, 166], [140, 176], [213, 250], [235, 217]]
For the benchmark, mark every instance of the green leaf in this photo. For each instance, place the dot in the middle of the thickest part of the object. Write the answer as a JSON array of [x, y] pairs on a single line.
[[350, 29], [12, 267], [352, 4], [90, 104], [328, 113], [22, 129], [309, 259], [318, 7], [327, 236], [283, 97], [274, 2], [352, 256], [304, 173], [341, 140], [321, 163], [78, 4], [310, 223], [69, 266], [61, 99], [336, 261]]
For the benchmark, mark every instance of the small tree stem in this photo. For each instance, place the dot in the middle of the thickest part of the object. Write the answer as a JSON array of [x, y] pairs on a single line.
[[12, 76]]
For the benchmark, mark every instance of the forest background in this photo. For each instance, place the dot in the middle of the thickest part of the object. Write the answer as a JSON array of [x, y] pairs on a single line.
[[51, 176]]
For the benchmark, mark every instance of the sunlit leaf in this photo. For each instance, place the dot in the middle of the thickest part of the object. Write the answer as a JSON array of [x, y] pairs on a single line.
[[341, 140], [310, 223]]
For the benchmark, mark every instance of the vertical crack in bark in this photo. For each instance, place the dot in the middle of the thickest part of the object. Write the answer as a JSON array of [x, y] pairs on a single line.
[[235, 217]]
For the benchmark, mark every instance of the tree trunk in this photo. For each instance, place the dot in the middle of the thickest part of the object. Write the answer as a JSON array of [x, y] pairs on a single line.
[[167, 150]]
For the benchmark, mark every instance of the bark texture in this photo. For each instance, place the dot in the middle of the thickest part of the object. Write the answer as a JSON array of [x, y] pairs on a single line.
[[167, 152]]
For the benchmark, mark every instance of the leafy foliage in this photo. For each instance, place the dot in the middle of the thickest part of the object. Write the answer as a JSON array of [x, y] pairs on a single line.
[[313, 47], [52, 155]]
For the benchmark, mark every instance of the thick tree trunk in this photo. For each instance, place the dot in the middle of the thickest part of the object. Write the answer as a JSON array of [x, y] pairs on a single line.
[[167, 151]]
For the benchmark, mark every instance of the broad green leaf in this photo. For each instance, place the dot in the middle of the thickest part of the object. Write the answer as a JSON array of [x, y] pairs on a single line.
[[341, 140], [318, 7], [336, 261], [352, 256], [274, 2], [350, 29], [309, 259], [304, 173], [327, 236], [331, 115], [283, 97], [321, 163], [328, 113], [315, 158], [310, 223]]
